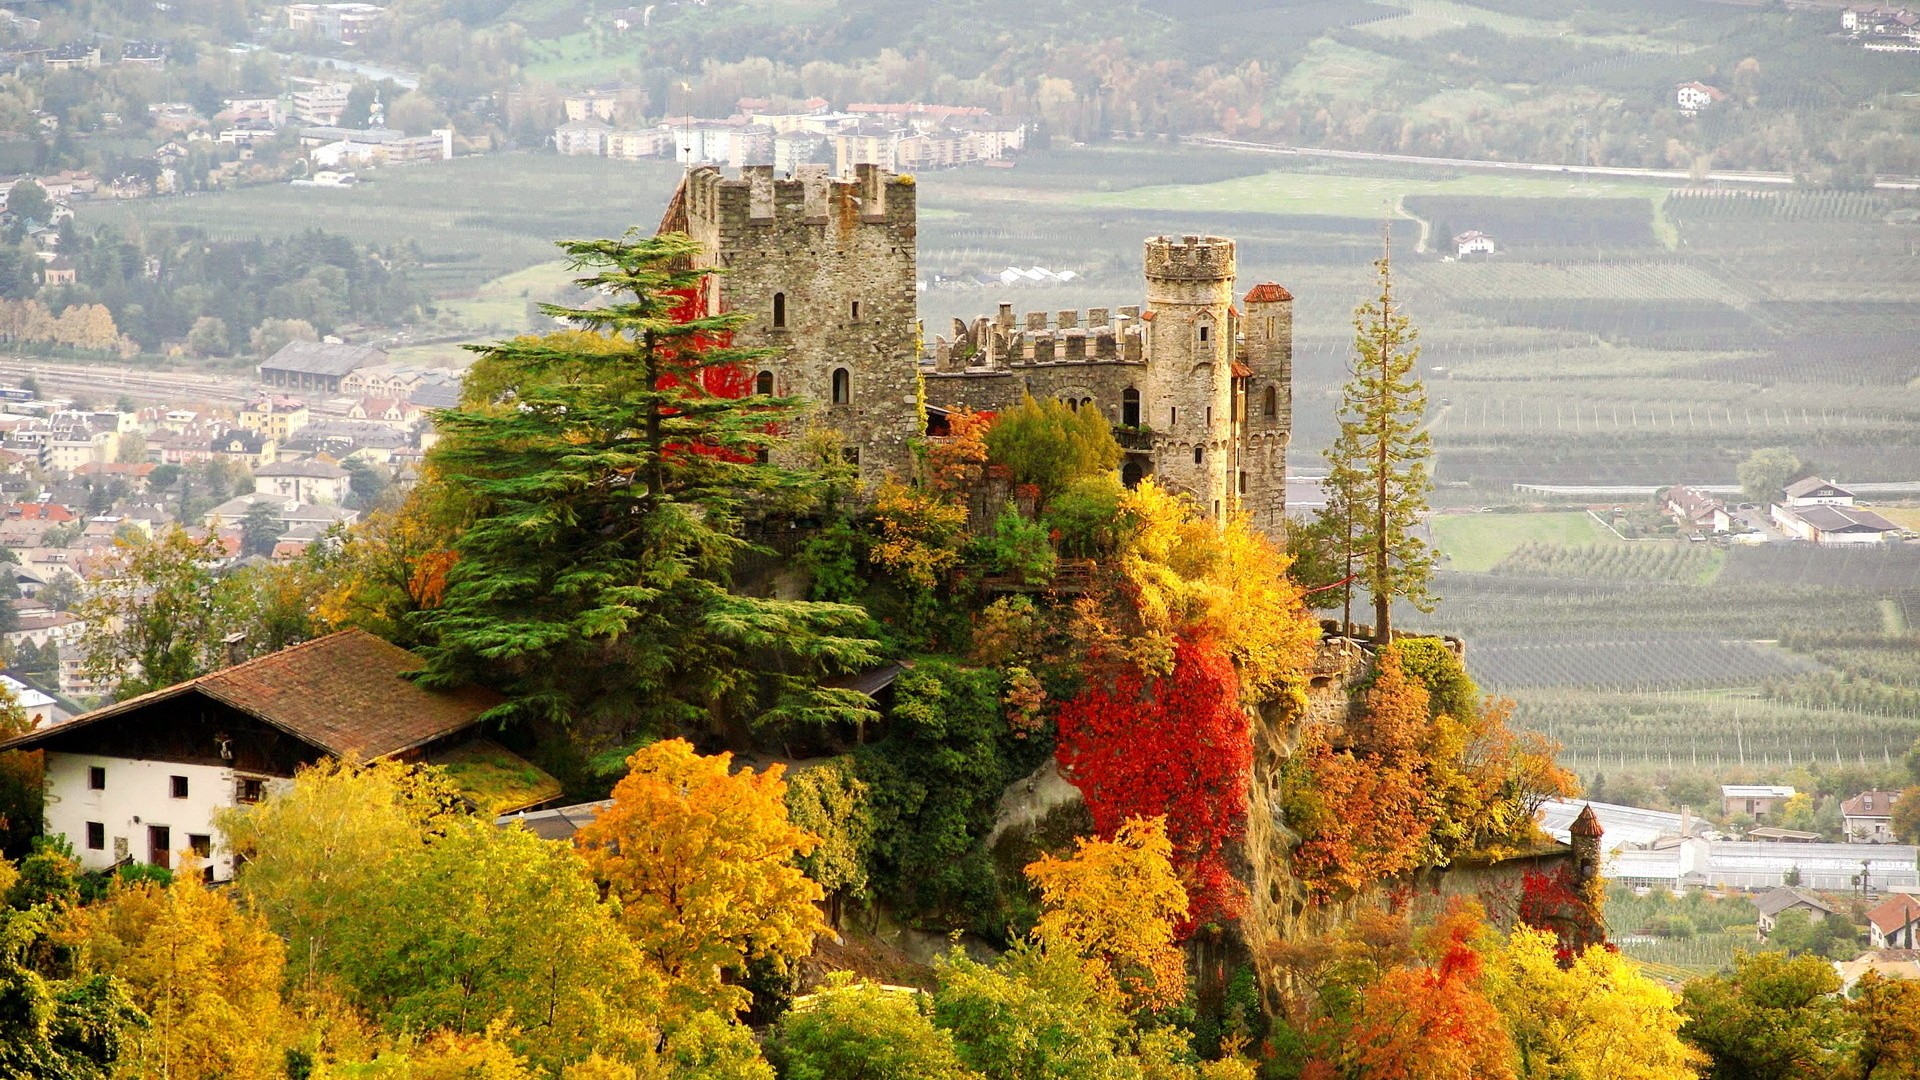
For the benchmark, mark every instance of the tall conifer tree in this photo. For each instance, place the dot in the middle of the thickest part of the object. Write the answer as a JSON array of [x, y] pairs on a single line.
[[1378, 480], [607, 474]]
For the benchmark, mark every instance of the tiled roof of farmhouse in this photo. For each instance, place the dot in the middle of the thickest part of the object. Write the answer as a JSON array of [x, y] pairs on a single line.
[[345, 693]]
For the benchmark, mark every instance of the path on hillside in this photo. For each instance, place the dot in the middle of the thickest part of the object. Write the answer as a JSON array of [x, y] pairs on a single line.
[[1776, 179]]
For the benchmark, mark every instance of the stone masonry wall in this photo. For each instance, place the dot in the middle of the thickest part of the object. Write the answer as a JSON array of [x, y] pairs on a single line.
[[824, 271]]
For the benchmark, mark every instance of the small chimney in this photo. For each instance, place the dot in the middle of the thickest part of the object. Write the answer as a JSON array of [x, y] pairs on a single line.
[[236, 644]]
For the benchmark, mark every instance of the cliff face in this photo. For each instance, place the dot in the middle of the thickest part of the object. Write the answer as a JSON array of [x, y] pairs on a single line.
[[1279, 909]]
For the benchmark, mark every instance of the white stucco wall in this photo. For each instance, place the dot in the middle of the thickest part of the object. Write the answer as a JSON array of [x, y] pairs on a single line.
[[138, 794]]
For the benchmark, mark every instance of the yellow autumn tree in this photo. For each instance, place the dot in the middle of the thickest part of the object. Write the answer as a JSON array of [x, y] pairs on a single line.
[[702, 862], [1116, 904], [1188, 574], [205, 971], [1597, 1019]]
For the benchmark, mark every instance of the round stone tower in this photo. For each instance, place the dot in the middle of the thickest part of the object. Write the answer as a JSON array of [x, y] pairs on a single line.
[[1190, 351]]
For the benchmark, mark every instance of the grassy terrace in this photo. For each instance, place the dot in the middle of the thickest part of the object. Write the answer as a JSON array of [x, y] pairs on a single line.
[[1475, 543]]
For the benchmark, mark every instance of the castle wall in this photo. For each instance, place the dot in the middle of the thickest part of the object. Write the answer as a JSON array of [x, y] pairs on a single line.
[[824, 271]]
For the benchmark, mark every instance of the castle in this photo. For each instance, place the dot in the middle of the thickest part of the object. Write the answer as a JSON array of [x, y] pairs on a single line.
[[1199, 390]]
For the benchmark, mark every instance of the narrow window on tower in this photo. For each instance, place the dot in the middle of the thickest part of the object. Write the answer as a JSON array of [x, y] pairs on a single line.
[[763, 384], [1243, 481], [842, 386], [1209, 416], [1270, 402], [856, 311], [779, 311], [1173, 416], [1199, 455], [1205, 332], [1130, 407]]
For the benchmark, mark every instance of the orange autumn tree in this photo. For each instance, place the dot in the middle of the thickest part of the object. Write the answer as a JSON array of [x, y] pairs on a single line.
[[1431, 1021], [1115, 904], [703, 863], [1423, 772]]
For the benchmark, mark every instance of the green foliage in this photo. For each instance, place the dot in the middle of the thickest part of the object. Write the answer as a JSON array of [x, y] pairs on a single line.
[[861, 1031], [1765, 472], [1771, 1018], [1019, 548], [53, 1030], [1086, 517], [1378, 475], [1450, 690], [1035, 1015], [1831, 938], [50, 877], [934, 782], [430, 919], [608, 486], [832, 561], [831, 802], [1049, 445]]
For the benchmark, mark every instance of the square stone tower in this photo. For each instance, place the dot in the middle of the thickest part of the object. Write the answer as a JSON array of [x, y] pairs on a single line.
[[823, 268]]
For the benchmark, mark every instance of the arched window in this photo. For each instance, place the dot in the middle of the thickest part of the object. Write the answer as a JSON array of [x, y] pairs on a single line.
[[779, 311], [763, 384], [1199, 455], [1270, 402], [1130, 407], [842, 386], [1130, 474]]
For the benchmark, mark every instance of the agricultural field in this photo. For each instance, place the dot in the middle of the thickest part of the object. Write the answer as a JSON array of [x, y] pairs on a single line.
[[1478, 542], [1674, 662], [1676, 562]]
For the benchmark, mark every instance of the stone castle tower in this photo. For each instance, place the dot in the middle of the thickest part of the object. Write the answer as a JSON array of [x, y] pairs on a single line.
[[823, 269], [1198, 389]]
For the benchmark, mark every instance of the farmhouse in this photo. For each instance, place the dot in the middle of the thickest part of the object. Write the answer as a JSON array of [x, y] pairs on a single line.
[[1894, 923], [1695, 96], [1754, 800], [1814, 491], [1776, 902], [1835, 525], [1823, 512], [141, 780], [314, 365], [1695, 509], [1868, 817], [1474, 243]]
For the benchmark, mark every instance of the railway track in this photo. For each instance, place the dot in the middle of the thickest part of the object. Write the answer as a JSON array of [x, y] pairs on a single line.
[[109, 380]]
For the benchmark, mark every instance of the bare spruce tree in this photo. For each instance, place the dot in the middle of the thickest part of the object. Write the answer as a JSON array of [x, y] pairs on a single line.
[[1378, 478]]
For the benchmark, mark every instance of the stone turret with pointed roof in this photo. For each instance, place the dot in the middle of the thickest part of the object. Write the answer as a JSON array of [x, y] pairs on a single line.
[[1585, 833]]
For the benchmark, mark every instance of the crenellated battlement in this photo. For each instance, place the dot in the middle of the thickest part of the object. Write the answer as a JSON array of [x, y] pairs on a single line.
[[1003, 341], [1190, 258], [810, 197]]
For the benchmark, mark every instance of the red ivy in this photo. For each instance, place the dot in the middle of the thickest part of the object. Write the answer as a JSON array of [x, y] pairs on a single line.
[[1557, 902], [1177, 747]]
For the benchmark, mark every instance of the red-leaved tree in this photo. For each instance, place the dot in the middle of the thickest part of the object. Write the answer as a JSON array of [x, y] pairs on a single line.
[[1178, 747]]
